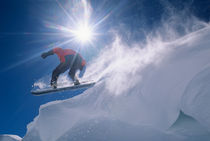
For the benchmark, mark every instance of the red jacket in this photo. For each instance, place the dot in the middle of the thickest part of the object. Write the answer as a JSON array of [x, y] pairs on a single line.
[[61, 53]]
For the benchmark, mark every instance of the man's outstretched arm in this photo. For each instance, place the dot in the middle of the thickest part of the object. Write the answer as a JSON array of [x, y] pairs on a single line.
[[45, 54]]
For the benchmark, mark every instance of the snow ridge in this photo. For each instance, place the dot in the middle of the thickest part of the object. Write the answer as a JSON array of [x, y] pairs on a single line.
[[139, 94]]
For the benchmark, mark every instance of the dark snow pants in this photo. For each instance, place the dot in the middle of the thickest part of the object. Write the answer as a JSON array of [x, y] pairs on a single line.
[[72, 62]]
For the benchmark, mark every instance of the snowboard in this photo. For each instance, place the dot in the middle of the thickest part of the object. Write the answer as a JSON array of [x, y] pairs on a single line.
[[83, 84]]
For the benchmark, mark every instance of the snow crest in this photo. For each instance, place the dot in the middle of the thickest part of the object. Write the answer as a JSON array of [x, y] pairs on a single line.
[[138, 96], [6, 137]]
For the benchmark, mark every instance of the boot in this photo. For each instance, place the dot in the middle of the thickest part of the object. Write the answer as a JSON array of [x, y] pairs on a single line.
[[76, 82], [53, 84]]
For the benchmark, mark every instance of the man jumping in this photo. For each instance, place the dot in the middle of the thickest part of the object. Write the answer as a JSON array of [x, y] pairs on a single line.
[[69, 59]]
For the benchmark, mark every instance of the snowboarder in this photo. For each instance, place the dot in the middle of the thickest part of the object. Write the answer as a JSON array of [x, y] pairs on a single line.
[[69, 59]]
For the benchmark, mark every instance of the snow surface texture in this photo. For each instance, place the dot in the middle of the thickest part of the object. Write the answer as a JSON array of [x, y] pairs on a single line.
[[139, 95], [10, 138]]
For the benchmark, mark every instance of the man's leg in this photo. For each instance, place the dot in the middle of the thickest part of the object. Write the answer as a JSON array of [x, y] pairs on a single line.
[[73, 68], [61, 68], [72, 72], [82, 71]]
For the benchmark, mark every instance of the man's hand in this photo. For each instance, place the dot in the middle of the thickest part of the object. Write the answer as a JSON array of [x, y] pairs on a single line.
[[44, 55]]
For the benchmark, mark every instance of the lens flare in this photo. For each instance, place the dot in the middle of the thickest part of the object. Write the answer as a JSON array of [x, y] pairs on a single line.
[[84, 33]]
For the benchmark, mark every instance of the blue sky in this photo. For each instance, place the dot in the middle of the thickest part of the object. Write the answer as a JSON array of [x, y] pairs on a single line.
[[23, 38]]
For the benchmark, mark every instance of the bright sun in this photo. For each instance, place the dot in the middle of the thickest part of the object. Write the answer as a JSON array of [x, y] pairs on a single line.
[[83, 33]]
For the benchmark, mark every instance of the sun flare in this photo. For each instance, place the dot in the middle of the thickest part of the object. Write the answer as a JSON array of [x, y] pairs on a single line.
[[77, 26], [84, 33]]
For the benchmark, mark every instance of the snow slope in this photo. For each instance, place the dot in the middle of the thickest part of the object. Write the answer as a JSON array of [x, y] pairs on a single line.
[[189, 127], [139, 95]]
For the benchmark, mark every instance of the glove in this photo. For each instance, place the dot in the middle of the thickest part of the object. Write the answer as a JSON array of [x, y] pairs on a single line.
[[82, 72], [44, 55]]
